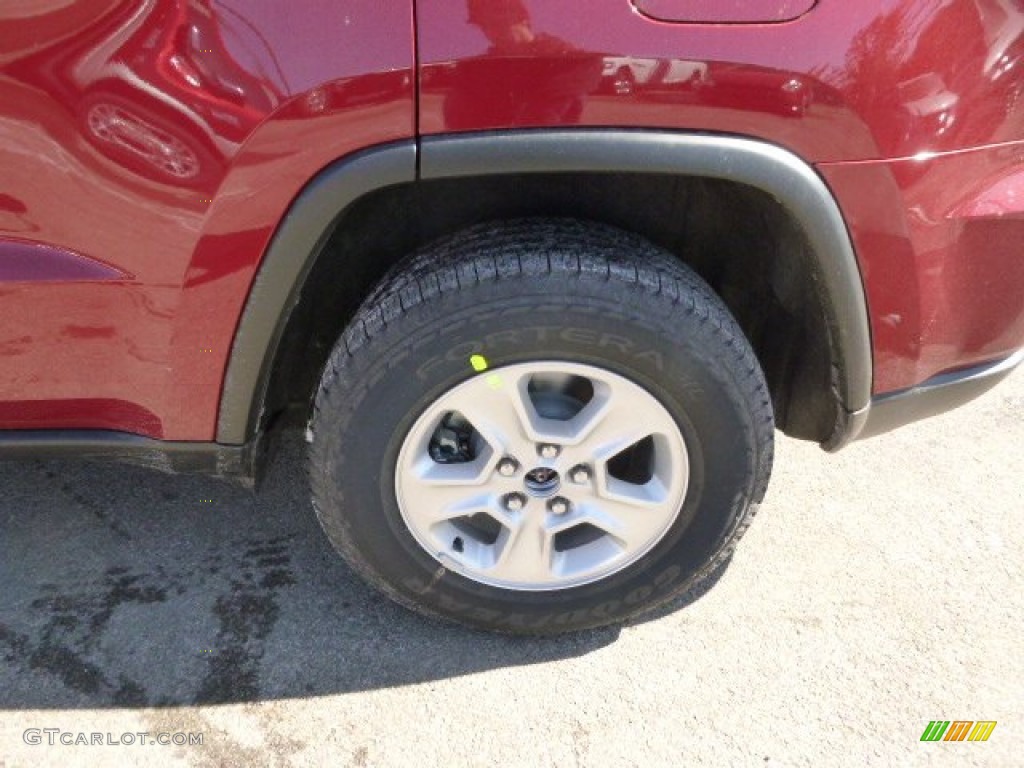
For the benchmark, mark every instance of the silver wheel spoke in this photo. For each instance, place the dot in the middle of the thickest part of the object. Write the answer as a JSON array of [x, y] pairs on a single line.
[[449, 490], [614, 429], [619, 417], [495, 407], [524, 555], [446, 502], [629, 523]]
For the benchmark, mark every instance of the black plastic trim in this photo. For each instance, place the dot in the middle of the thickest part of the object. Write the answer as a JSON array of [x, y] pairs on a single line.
[[791, 181], [936, 395], [295, 247], [278, 284], [234, 461]]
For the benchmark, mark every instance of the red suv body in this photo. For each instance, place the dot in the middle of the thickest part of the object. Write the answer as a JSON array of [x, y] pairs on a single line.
[[197, 195]]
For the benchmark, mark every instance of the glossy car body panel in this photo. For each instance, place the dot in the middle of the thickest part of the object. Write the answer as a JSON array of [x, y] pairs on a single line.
[[944, 271], [151, 150], [846, 81], [176, 132]]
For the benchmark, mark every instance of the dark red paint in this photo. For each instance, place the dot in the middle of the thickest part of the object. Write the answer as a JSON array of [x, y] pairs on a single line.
[[945, 269], [151, 148], [165, 140]]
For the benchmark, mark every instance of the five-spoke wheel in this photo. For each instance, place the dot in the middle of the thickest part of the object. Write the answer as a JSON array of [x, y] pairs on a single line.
[[541, 475]]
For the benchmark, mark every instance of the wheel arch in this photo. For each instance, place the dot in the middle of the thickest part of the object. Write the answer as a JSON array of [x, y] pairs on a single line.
[[299, 243], [277, 287]]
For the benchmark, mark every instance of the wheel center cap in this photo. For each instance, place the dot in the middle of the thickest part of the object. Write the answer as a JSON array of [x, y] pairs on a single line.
[[542, 481]]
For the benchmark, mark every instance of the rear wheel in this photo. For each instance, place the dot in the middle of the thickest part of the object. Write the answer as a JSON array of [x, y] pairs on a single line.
[[539, 426]]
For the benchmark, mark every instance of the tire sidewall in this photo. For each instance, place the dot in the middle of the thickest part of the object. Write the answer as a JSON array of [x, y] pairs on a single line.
[[426, 352]]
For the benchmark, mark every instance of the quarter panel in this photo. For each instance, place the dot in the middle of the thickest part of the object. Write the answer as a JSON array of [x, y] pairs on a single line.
[[845, 81], [939, 239], [166, 139]]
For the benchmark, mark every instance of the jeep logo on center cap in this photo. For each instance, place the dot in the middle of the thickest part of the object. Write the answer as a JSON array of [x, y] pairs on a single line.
[[541, 481]]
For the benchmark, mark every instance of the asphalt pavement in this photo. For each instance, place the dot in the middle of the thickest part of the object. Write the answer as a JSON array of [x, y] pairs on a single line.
[[878, 590]]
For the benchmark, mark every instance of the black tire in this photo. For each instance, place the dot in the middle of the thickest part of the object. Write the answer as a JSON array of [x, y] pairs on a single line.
[[529, 290]]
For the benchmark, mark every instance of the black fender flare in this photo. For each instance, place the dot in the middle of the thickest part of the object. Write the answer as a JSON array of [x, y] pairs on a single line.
[[790, 180], [277, 286]]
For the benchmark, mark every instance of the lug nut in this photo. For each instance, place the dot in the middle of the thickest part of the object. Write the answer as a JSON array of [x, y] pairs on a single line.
[[549, 451], [558, 506], [515, 502], [508, 467], [580, 474]]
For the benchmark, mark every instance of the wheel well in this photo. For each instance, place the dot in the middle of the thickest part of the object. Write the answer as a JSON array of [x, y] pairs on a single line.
[[738, 238]]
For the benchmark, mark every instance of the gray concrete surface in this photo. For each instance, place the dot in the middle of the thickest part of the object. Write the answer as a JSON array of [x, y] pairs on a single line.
[[879, 589]]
